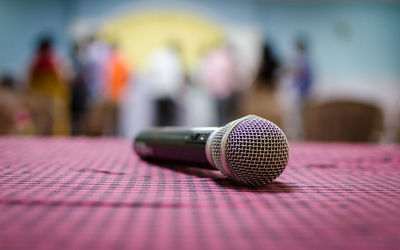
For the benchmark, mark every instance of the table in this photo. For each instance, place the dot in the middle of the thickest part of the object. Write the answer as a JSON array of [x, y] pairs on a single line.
[[82, 193]]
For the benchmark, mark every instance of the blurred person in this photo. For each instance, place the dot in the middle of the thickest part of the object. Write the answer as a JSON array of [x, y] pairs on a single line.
[[95, 60], [47, 90], [136, 107], [302, 74], [117, 79], [7, 82], [118, 74], [269, 66], [198, 105], [302, 71], [15, 117], [165, 76], [79, 91], [95, 57], [262, 97], [8, 105], [218, 74]]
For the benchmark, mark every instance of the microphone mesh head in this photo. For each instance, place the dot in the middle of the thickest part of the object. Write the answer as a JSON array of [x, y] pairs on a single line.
[[251, 150]]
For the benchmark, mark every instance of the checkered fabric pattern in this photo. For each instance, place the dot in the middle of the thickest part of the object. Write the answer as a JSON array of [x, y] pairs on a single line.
[[96, 194]]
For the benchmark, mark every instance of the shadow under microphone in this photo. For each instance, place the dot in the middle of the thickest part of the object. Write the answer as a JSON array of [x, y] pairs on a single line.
[[250, 150]]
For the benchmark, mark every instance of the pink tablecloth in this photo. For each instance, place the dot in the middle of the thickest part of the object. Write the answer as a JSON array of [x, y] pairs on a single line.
[[96, 194]]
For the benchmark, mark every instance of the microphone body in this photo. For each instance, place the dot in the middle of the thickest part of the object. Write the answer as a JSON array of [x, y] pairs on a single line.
[[174, 144], [250, 150]]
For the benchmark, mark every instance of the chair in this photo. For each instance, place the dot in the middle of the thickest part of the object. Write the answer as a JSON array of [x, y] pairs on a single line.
[[343, 120], [398, 131]]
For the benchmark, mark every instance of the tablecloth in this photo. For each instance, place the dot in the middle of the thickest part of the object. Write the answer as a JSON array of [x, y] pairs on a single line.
[[95, 193]]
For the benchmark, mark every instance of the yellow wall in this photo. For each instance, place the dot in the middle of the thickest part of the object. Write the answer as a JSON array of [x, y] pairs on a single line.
[[137, 35]]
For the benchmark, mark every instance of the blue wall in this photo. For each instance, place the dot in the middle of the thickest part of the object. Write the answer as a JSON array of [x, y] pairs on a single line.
[[358, 39], [21, 22]]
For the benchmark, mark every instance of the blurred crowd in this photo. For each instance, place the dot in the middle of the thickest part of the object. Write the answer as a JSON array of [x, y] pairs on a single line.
[[96, 91], [65, 96]]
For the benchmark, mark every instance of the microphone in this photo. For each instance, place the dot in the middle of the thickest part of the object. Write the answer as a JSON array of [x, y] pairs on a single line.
[[250, 150]]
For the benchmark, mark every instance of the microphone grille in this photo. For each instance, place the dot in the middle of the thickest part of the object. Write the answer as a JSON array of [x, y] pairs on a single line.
[[216, 147], [251, 150]]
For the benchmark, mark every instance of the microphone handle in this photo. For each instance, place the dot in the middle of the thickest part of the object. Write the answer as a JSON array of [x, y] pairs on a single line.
[[175, 145]]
